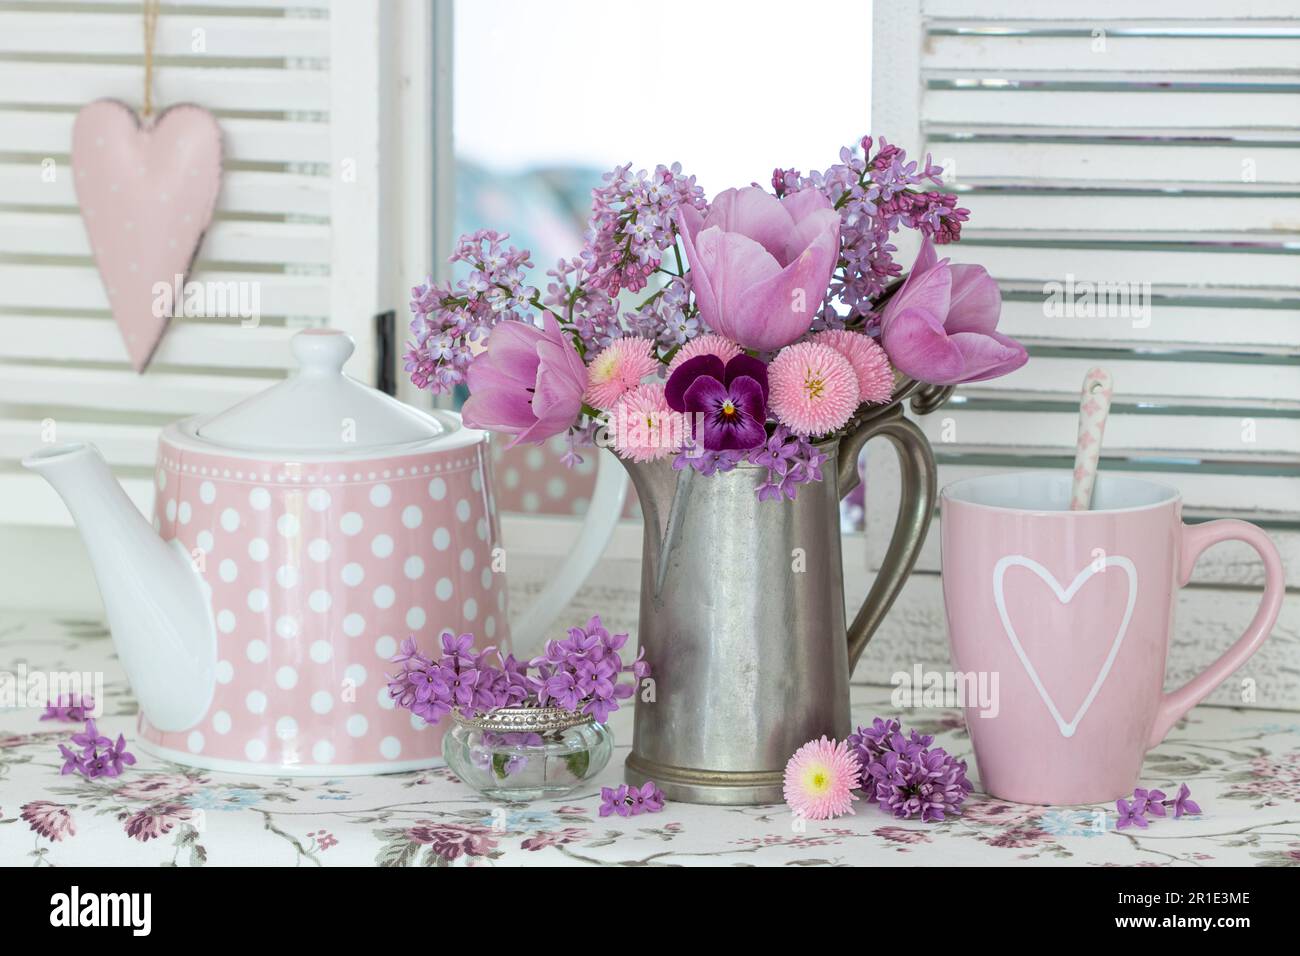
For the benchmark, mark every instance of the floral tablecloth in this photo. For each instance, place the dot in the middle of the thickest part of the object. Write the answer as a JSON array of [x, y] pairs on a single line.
[[1243, 767]]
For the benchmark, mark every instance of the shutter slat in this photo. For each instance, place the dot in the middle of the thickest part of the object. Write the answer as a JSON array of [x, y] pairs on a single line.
[[1114, 109], [120, 34], [243, 140], [64, 234], [162, 392], [279, 194], [1102, 12], [253, 90], [998, 210], [79, 287], [189, 342]]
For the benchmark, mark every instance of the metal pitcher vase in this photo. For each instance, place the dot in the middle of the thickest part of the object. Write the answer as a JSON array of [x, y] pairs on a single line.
[[742, 613]]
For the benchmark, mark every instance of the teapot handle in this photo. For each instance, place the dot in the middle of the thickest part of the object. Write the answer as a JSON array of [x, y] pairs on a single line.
[[598, 526], [915, 508]]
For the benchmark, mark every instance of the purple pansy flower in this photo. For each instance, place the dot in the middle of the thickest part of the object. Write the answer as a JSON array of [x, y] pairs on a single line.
[[730, 400]]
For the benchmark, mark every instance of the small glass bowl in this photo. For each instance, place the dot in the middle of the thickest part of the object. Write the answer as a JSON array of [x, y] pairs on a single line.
[[526, 753]]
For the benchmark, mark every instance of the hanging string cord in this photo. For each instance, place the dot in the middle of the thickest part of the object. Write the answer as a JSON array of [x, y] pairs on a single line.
[[150, 32]]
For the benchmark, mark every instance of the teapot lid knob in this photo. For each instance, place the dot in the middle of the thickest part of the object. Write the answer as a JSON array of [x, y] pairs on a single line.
[[322, 351]]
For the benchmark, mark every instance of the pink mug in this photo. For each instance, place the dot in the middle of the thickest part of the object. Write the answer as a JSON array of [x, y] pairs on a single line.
[[1073, 611]]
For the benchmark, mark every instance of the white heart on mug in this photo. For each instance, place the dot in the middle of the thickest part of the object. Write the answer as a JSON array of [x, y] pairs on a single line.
[[1064, 595]]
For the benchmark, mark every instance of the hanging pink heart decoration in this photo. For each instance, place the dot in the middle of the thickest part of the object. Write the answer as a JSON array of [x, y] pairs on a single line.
[[147, 188]]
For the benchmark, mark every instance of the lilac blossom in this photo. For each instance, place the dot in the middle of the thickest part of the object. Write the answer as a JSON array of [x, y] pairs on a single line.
[[580, 672], [905, 774], [629, 800], [1130, 814], [98, 756], [67, 708]]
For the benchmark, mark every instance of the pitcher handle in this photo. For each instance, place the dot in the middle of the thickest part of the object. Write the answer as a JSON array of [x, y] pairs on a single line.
[[598, 526], [915, 508]]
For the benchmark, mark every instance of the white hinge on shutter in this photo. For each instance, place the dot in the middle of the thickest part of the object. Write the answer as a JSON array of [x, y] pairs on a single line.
[[1154, 143], [308, 95]]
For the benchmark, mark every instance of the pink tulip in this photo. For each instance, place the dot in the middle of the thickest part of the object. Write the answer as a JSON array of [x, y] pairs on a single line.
[[940, 327], [527, 383], [760, 265]]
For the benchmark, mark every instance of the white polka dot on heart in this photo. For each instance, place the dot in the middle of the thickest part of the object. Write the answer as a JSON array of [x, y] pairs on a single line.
[[258, 600], [356, 674], [286, 678], [381, 495], [287, 525], [462, 510], [467, 559], [255, 750], [442, 539], [225, 672], [194, 741], [225, 621], [437, 489], [286, 626], [476, 481], [228, 570], [353, 574], [322, 751], [485, 579], [353, 625], [230, 519], [171, 509], [413, 568], [321, 651], [415, 618], [258, 549], [384, 596], [385, 701], [357, 725], [350, 523], [381, 546], [319, 550], [318, 500], [470, 609], [286, 576], [390, 747], [412, 516], [185, 512], [490, 626], [260, 499], [320, 601], [257, 651], [443, 589], [286, 728], [322, 702], [386, 646], [221, 722], [255, 702], [205, 541]]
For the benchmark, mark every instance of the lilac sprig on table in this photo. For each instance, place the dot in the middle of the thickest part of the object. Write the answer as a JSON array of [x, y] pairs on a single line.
[[629, 800], [69, 709], [906, 775], [1133, 813], [581, 672], [94, 755]]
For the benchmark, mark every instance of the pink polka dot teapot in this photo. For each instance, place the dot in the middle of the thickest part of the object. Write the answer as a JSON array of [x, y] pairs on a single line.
[[297, 539]]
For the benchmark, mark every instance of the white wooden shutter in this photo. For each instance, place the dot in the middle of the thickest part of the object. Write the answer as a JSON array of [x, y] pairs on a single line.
[[1155, 141], [325, 111]]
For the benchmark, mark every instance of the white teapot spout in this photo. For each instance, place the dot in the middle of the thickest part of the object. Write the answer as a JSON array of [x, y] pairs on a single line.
[[154, 596]]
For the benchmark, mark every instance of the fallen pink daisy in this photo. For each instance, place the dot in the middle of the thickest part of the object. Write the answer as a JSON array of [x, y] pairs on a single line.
[[819, 779]]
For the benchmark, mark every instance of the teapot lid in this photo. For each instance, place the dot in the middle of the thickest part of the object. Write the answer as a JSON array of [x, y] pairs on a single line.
[[319, 409]]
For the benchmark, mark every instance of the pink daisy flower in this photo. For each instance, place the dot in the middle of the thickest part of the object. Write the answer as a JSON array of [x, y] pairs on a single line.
[[819, 779], [812, 388], [869, 361], [617, 369], [709, 343], [643, 427]]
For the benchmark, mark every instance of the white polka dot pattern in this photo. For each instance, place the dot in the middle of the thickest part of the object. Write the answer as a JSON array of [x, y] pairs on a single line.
[[316, 574]]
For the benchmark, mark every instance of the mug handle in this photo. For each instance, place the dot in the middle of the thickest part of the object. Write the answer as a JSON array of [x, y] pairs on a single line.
[[603, 515], [1196, 538], [915, 509]]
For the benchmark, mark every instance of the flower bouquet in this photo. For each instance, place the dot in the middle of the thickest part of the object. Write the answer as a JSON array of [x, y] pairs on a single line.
[[520, 730], [734, 354], [747, 329]]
